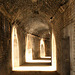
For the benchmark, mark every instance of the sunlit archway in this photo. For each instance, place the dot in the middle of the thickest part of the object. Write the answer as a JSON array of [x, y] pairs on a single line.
[[15, 50]]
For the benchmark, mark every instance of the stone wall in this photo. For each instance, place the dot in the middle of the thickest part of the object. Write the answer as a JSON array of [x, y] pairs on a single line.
[[57, 24], [21, 38], [35, 43], [5, 45], [63, 25], [48, 47], [69, 30], [36, 47]]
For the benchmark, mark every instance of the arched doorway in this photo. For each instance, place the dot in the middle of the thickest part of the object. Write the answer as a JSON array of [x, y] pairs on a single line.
[[15, 56]]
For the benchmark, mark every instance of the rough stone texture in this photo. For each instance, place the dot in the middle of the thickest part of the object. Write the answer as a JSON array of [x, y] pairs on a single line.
[[17, 7], [35, 43], [36, 48], [5, 45], [34, 73], [48, 47], [62, 23], [22, 11], [21, 38], [65, 56], [69, 29], [57, 24]]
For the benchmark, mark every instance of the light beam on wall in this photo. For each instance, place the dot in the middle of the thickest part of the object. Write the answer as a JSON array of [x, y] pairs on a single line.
[[53, 51], [15, 48], [42, 48], [28, 53]]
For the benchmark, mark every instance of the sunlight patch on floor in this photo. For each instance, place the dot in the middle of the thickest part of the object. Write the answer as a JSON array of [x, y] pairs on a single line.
[[35, 68]]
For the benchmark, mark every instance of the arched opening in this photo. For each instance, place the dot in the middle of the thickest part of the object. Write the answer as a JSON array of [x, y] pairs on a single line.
[[42, 48], [15, 48], [15, 55], [30, 53]]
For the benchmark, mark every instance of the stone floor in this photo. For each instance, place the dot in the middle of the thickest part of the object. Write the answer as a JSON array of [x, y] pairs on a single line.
[[34, 73]]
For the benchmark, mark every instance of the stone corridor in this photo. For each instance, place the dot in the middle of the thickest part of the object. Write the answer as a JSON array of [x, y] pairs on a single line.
[[37, 37]]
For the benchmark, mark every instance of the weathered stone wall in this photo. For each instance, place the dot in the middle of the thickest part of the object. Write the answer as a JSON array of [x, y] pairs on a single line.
[[48, 47], [5, 45], [63, 26], [36, 47], [69, 30], [35, 41], [21, 39], [57, 24], [65, 56]]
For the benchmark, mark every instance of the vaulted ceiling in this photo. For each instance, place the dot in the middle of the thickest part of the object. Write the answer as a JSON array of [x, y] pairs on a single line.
[[32, 15]]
